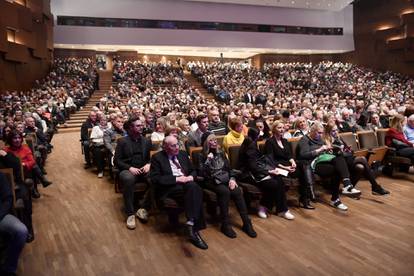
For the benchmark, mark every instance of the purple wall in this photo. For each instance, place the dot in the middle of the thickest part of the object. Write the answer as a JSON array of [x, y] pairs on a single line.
[[180, 10]]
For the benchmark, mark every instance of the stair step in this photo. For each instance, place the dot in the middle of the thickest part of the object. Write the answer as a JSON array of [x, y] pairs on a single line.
[[67, 130], [69, 125], [76, 120]]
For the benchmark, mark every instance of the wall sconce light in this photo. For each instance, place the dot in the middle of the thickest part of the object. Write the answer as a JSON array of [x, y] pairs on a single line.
[[407, 11], [384, 27]]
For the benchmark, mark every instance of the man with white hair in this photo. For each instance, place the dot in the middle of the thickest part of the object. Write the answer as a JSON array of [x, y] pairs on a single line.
[[173, 176], [346, 124], [409, 129]]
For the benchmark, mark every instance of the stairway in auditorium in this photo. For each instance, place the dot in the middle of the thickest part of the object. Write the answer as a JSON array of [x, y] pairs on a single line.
[[198, 85], [76, 120]]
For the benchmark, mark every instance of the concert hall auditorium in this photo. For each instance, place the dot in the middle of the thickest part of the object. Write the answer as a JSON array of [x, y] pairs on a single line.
[[206, 137]]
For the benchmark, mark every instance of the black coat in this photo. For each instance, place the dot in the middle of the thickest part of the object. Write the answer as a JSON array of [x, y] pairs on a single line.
[[161, 174], [250, 160], [124, 154], [6, 196], [280, 155], [84, 129]]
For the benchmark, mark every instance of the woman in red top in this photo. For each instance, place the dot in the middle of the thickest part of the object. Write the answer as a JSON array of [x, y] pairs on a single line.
[[24, 153], [395, 138]]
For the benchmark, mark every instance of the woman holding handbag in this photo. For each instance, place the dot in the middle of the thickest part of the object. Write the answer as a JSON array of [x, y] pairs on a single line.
[[215, 167], [266, 176]]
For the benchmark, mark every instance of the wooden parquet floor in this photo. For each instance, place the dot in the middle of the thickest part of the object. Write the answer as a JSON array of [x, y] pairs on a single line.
[[80, 230]]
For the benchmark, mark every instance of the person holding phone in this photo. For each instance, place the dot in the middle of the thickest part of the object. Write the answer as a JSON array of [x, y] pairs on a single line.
[[357, 165]]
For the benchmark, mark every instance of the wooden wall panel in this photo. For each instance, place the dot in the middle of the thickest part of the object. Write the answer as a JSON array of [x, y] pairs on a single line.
[[372, 50], [25, 19], [28, 58], [3, 37], [17, 52], [9, 14]]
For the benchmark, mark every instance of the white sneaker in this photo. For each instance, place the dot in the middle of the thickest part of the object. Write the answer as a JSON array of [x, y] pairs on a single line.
[[142, 214], [339, 205], [350, 190], [262, 212], [287, 215], [131, 222], [100, 175]]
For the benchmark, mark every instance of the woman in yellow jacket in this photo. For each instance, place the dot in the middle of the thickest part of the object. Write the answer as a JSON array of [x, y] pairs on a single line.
[[235, 136]]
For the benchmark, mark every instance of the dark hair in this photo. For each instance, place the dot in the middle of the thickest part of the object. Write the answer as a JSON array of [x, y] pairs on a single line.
[[253, 133], [364, 118], [286, 114], [131, 120], [200, 117], [13, 133]]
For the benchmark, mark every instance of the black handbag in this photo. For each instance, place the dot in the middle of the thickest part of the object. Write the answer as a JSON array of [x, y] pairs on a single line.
[[221, 177], [265, 163]]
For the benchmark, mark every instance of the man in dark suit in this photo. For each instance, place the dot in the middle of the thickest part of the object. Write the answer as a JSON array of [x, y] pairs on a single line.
[[88, 124], [132, 158], [172, 175], [248, 97]]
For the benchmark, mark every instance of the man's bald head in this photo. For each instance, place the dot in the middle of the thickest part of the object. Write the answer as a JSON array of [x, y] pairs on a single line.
[[170, 145]]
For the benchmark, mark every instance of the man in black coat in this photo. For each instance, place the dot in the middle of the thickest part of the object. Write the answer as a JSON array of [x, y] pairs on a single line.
[[173, 175], [132, 158], [88, 124], [248, 97]]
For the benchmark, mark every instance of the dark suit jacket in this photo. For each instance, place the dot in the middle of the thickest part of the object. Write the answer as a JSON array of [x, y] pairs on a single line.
[[84, 129], [248, 99], [161, 174], [280, 155], [124, 155]]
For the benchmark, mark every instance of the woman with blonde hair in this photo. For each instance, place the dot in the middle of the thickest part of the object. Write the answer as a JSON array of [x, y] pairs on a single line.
[[160, 127], [215, 167]]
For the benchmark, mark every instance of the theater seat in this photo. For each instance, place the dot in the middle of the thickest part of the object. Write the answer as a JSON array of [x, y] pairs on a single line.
[[368, 140], [250, 191], [391, 159]]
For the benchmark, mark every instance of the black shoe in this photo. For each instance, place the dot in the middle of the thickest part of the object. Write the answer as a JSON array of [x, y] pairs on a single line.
[[87, 166], [228, 231], [42, 169], [305, 204], [378, 190], [30, 238], [195, 238], [248, 229], [45, 182], [35, 193]]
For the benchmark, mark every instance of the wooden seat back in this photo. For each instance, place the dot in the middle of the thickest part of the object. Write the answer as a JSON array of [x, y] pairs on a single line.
[[234, 156], [381, 133], [367, 139], [293, 142], [350, 139], [8, 172]]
